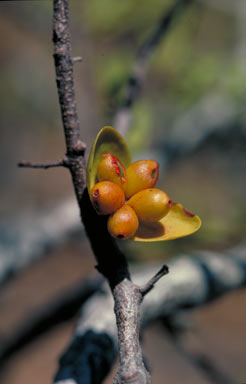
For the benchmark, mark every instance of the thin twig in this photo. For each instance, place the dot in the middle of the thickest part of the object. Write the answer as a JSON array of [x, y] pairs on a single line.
[[27, 164], [104, 246], [122, 119], [150, 285]]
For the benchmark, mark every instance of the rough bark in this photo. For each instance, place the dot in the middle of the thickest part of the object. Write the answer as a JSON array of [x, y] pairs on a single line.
[[194, 281], [65, 86], [111, 262], [128, 298]]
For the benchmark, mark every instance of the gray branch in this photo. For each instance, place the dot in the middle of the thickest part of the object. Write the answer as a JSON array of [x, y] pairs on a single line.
[[151, 283], [123, 117], [65, 87], [193, 281], [128, 299], [27, 164], [28, 237], [213, 116], [112, 262]]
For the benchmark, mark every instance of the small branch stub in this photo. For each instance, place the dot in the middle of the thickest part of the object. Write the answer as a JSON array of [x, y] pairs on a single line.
[[79, 148], [150, 285], [28, 164], [77, 59]]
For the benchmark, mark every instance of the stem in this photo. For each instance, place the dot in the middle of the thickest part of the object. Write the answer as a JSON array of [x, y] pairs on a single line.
[[29, 164], [123, 118], [65, 86], [128, 299], [111, 262], [150, 285]]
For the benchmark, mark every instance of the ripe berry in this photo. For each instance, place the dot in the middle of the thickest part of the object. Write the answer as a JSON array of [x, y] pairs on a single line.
[[107, 197], [123, 223], [110, 168], [150, 204], [141, 175]]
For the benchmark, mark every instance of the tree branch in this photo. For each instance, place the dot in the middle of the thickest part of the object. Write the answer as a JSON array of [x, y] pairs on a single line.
[[27, 164], [127, 296], [150, 285], [111, 262], [65, 86], [128, 299], [27, 237], [194, 281], [122, 119]]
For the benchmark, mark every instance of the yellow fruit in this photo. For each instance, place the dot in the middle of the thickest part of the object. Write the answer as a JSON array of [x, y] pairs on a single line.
[[107, 197], [141, 175], [150, 204], [123, 223], [110, 168]]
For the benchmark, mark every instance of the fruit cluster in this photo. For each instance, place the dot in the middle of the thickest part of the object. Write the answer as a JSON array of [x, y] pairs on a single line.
[[127, 195]]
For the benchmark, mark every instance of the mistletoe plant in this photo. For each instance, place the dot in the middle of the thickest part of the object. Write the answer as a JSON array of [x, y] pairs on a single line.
[[126, 192], [126, 203]]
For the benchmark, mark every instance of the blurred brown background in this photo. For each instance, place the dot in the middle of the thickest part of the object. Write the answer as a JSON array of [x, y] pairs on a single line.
[[201, 62]]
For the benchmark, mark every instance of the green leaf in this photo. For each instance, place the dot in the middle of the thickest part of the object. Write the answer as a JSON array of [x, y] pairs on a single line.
[[107, 140], [179, 222]]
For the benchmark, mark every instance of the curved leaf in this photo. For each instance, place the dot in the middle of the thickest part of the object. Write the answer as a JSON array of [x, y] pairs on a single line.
[[107, 140], [179, 222]]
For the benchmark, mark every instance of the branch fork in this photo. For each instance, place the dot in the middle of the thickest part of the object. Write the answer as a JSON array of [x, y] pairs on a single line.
[[111, 262], [128, 298]]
